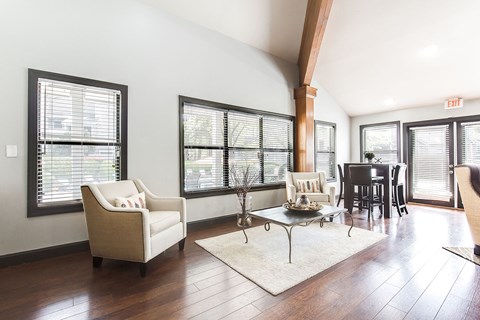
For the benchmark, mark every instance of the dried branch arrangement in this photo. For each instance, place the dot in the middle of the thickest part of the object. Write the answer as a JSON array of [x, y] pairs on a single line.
[[243, 178]]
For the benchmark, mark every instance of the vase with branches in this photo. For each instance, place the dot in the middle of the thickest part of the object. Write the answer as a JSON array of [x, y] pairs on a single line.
[[243, 178]]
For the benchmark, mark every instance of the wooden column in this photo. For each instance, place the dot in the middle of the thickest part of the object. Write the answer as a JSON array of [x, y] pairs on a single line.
[[316, 19], [305, 129]]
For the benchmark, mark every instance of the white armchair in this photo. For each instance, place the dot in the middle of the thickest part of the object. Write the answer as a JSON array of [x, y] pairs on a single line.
[[468, 177], [325, 194], [132, 234]]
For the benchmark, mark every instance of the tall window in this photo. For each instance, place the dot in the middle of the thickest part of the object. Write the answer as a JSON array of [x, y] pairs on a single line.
[[77, 135], [215, 137], [325, 159], [383, 139]]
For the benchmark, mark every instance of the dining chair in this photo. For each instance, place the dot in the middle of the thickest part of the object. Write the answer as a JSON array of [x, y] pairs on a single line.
[[342, 185], [398, 184], [361, 177], [340, 174]]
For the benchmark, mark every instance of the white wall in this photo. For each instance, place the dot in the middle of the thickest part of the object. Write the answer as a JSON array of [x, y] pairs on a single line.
[[327, 109], [471, 107], [159, 57]]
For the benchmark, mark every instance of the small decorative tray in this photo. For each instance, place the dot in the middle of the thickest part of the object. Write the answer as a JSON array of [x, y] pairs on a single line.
[[313, 207]]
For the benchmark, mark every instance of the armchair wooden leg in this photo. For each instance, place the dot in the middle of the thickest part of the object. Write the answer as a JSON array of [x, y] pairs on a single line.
[[181, 244], [143, 269], [97, 262]]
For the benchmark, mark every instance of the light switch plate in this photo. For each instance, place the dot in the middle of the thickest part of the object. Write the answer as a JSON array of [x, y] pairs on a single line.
[[11, 151]]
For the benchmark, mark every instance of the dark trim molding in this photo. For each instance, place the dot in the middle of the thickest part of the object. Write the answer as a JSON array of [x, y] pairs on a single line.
[[363, 126], [225, 108], [43, 253], [408, 158], [334, 125], [33, 208], [201, 224], [69, 248]]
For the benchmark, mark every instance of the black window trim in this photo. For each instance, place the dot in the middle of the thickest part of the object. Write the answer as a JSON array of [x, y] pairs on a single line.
[[363, 126], [225, 107], [33, 209], [334, 125]]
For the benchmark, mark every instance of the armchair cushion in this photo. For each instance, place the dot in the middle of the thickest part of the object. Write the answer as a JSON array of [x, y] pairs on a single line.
[[135, 201], [319, 197], [162, 220], [308, 185]]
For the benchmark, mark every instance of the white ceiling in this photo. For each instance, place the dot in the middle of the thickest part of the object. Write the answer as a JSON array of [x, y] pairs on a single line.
[[376, 55]]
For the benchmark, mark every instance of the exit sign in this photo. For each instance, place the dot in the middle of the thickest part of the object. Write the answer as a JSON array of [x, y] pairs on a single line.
[[454, 103]]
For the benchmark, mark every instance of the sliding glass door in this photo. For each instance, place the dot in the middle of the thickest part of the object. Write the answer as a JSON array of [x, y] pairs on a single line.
[[431, 150], [430, 163]]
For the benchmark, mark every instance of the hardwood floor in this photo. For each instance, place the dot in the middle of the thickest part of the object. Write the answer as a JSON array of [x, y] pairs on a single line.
[[406, 276]]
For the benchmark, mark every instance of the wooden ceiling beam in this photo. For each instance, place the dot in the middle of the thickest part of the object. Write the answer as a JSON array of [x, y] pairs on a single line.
[[313, 29], [316, 19]]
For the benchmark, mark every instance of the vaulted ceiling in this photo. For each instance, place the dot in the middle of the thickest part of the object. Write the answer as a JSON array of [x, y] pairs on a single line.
[[376, 55]]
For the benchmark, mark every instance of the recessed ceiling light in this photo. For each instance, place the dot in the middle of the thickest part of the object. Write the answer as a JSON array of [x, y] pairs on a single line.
[[389, 102], [429, 51]]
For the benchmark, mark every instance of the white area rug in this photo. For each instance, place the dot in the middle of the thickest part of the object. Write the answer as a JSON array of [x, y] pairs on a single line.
[[264, 259]]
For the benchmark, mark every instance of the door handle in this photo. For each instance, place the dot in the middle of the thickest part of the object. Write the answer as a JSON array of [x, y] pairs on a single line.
[[450, 171], [450, 166]]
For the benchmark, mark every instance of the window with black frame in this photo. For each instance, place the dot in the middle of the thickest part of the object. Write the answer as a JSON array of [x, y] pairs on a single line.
[[216, 137], [383, 139], [77, 135], [325, 159]]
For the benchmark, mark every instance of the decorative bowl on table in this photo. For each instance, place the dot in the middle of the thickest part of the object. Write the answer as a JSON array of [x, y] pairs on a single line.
[[311, 207]]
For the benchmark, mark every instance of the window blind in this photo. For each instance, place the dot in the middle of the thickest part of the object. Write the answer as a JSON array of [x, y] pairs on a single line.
[[203, 127], [204, 139], [243, 130], [78, 138], [430, 162], [218, 139], [470, 139], [382, 140], [325, 148], [278, 148], [277, 133]]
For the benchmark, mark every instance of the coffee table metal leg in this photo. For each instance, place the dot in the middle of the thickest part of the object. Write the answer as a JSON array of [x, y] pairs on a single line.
[[289, 234], [321, 222]]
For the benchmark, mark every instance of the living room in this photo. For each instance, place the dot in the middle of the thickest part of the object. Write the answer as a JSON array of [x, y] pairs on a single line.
[[162, 52]]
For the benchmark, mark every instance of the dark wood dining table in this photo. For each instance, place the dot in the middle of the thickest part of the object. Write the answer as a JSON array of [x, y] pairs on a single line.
[[382, 170]]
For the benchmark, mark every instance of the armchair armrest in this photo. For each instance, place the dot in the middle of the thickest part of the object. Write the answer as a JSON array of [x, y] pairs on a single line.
[[330, 190], [291, 192], [168, 204], [156, 203]]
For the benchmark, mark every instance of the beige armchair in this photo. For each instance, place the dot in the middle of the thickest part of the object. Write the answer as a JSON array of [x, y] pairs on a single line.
[[325, 194], [131, 234], [468, 178]]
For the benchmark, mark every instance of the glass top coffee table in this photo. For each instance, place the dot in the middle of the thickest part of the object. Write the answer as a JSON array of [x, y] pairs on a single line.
[[290, 219]]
